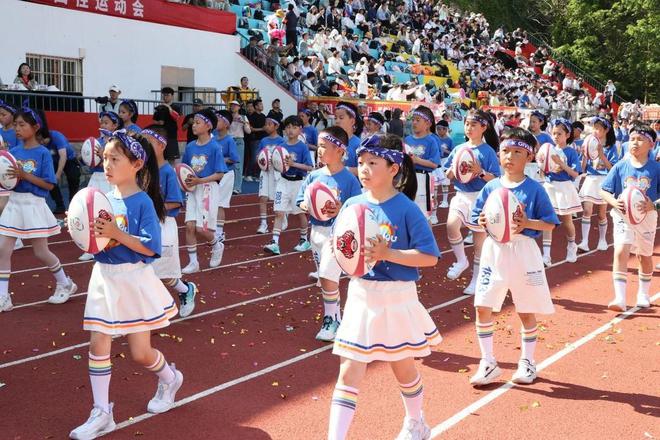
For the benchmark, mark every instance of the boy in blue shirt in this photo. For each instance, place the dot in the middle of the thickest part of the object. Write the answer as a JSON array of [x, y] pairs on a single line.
[[268, 177], [446, 147]]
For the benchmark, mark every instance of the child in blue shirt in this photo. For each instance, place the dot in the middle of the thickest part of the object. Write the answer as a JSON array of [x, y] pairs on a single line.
[[383, 318], [228, 146], [309, 132], [636, 169], [128, 113], [446, 147], [288, 184], [27, 215], [560, 188], [331, 150], [348, 117], [125, 297], [515, 266], [537, 125], [7, 132], [268, 177]]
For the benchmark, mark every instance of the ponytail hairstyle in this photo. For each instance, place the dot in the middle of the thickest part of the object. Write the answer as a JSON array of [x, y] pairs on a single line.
[[610, 137], [148, 176], [131, 106], [490, 135], [352, 110], [406, 180], [426, 113]]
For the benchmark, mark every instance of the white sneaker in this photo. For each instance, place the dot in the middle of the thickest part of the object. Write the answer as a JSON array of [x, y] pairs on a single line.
[[187, 300], [86, 257], [602, 245], [434, 219], [643, 300], [98, 424], [220, 236], [285, 223], [487, 373], [314, 275], [328, 329], [18, 244], [583, 246], [457, 269], [444, 204], [571, 253], [192, 267], [5, 303], [547, 261], [469, 239], [263, 228], [163, 401], [526, 372], [302, 246], [63, 292], [216, 254], [414, 430], [469, 290], [617, 305]]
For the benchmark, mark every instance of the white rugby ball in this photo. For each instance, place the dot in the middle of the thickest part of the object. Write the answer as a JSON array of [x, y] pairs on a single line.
[[7, 160], [182, 172], [590, 147], [88, 153], [632, 198], [501, 209], [319, 197], [461, 165], [353, 227], [2, 142], [263, 159], [278, 159], [86, 206]]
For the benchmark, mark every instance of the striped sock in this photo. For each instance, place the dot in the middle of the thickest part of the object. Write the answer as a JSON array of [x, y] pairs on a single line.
[[445, 193], [331, 304], [475, 267], [458, 248], [644, 283], [263, 217], [528, 342], [620, 281], [303, 233], [547, 243], [100, 370], [485, 332], [586, 226], [161, 368], [58, 273], [4, 282], [192, 253], [212, 243], [413, 397], [219, 227], [276, 235], [176, 284], [602, 230], [342, 409]]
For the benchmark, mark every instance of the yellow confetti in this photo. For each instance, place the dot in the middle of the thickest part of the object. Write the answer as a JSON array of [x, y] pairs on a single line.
[[536, 404], [463, 370], [212, 340], [275, 384]]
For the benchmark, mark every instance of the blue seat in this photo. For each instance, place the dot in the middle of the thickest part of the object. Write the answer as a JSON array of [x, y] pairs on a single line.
[[265, 5], [236, 9], [400, 77], [374, 53], [256, 24]]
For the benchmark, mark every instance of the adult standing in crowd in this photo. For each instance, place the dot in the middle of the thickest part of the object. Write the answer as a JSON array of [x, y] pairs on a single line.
[[238, 128], [275, 111], [291, 27], [111, 103], [25, 78], [167, 115], [257, 123], [245, 93], [187, 124]]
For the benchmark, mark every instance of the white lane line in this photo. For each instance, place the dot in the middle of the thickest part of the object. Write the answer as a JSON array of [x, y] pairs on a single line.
[[571, 347]]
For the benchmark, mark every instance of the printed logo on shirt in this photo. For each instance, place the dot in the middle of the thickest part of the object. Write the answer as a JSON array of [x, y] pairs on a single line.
[[388, 232], [29, 166], [122, 224], [417, 150], [198, 162], [641, 182]]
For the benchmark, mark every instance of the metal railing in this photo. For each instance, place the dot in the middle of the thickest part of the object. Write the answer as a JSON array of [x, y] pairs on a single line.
[[211, 97]]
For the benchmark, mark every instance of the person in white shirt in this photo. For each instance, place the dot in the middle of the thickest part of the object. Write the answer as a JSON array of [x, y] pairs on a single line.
[[335, 63], [362, 84], [610, 87]]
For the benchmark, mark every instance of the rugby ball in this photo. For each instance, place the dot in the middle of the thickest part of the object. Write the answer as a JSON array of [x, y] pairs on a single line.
[[590, 147], [354, 226], [88, 152], [501, 209], [279, 159], [544, 158], [319, 197], [263, 159], [86, 206], [182, 172], [632, 197], [7, 160], [461, 165]]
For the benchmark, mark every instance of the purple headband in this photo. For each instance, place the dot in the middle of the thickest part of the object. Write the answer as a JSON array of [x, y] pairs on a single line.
[[603, 121], [153, 134], [131, 105], [374, 120], [479, 119], [28, 110], [643, 133], [7, 107], [422, 115], [274, 121], [114, 117], [539, 115], [129, 142], [517, 143], [565, 122], [372, 145], [226, 121], [205, 119], [333, 140], [347, 108]]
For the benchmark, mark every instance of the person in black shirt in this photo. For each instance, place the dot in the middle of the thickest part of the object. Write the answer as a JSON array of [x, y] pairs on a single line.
[[275, 111], [167, 114], [291, 28], [257, 122], [198, 105]]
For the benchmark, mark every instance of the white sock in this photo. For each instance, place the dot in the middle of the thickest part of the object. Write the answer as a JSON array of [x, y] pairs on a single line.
[[620, 283], [413, 398], [192, 253], [276, 236], [342, 410], [445, 194], [528, 344], [485, 332], [602, 230], [586, 226], [100, 371], [58, 273], [331, 304], [161, 369], [4, 283], [644, 283], [180, 286], [458, 248], [547, 244]]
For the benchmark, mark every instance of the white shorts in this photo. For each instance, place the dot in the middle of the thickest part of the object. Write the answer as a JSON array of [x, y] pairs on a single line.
[[384, 321], [590, 191], [425, 197], [168, 266], [516, 266], [321, 241], [98, 180], [202, 206], [225, 188], [564, 197], [532, 170], [462, 204], [27, 216], [640, 237], [286, 192], [126, 298], [267, 181]]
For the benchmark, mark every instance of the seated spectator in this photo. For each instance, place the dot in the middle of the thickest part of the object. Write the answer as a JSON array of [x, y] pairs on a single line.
[[25, 78]]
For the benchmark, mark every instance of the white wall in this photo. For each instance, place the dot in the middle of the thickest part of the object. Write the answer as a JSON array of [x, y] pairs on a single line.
[[125, 52]]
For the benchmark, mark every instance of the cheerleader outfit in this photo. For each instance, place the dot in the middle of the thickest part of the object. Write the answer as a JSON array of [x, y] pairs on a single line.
[[27, 215], [425, 148], [383, 318], [125, 295], [596, 172], [226, 185], [560, 188]]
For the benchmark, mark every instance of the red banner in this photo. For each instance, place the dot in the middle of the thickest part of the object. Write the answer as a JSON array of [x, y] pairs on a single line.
[[155, 11]]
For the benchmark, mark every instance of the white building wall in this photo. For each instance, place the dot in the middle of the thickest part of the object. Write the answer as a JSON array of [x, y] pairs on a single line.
[[125, 52]]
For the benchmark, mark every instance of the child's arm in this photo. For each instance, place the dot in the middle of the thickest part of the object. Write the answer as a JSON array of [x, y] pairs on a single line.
[[172, 205], [109, 229], [215, 177], [38, 181], [523, 222], [564, 166], [380, 251], [609, 198], [424, 163]]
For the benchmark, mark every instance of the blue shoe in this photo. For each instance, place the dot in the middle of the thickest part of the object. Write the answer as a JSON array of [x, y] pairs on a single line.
[[187, 300], [328, 329], [303, 245], [273, 248]]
